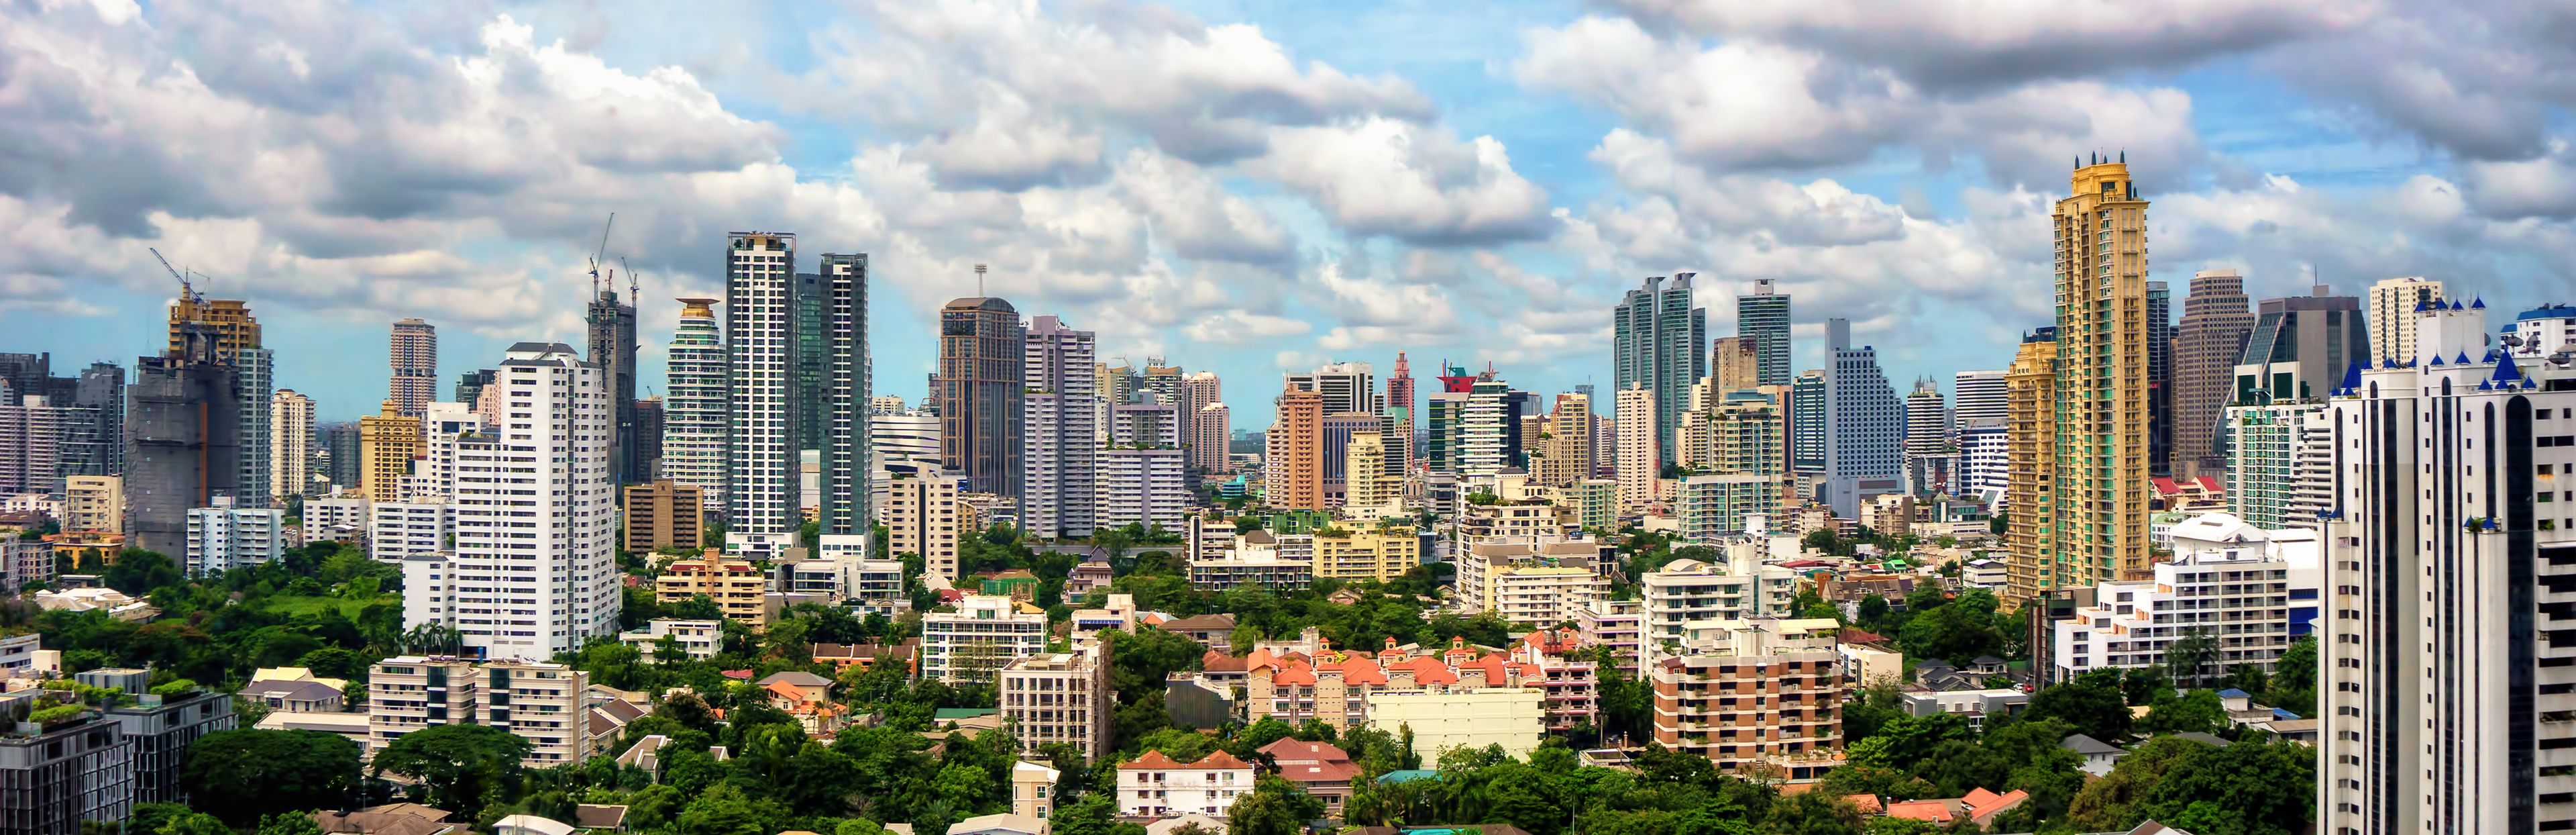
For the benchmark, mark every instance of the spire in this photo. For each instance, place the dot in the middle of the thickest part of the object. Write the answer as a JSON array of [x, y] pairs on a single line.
[[2124, 156], [2352, 377], [2479, 304]]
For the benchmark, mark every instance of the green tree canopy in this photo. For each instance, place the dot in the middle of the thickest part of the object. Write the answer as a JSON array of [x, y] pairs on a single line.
[[259, 773], [460, 766]]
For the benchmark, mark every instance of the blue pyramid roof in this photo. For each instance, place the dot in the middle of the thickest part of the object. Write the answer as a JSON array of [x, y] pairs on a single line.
[[2352, 376], [2437, 360], [2463, 360], [2419, 305], [2455, 305], [2479, 304], [2506, 371]]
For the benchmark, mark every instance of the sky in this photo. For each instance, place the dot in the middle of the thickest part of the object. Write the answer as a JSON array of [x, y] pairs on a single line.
[[1250, 187]]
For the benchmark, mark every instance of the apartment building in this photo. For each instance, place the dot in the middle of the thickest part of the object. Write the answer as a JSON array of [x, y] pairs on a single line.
[[411, 692], [665, 514], [2233, 584], [1519, 521], [93, 503], [1307, 680], [921, 517], [54, 778], [1154, 786], [1382, 554], [398, 531], [1530, 585], [983, 635], [1252, 564], [161, 726], [338, 519], [542, 703], [1619, 625], [1061, 697], [1759, 696], [693, 638], [1687, 591], [224, 537], [735, 585]]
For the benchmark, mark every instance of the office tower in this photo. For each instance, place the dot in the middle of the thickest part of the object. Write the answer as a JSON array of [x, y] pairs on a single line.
[[184, 439], [290, 456], [1293, 465], [2393, 303], [1059, 440], [1207, 428], [1977, 396], [921, 519], [341, 446], [648, 438], [2441, 678], [1927, 420], [1339, 429], [415, 364], [695, 422], [388, 442], [1142, 476], [664, 514], [981, 354], [102, 387], [227, 322], [844, 401], [1346, 386], [511, 595], [901, 443], [93, 503], [223, 537], [1565, 457], [612, 347], [1764, 318], [1640, 464], [1661, 340], [2030, 488], [1735, 363], [1864, 452], [760, 359], [2300, 347], [31, 441], [2216, 318], [2102, 408], [469, 385], [1210, 430], [2160, 340], [1808, 424]]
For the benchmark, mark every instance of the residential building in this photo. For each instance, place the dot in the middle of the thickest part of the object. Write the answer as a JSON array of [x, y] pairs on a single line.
[[1977, 397], [65, 774], [1154, 786], [1640, 463], [1565, 453], [697, 639], [511, 594], [983, 635], [1540, 584], [1793, 731], [1203, 432], [1370, 494], [1659, 344], [1294, 464], [2160, 370], [545, 704], [650, 422], [1061, 697], [1617, 624], [2393, 303], [1808, 425], [1381, 554], [1059, 432], [2541, 332], [31, 444], [339, 455], [161, 726], [2280, 464], [978, 393], [1343, 386], [1258, 565], [2030, 488], [1595, 502], [1209, 432], [290, 455], [2231, 586], [388, 443], [735, 585], [1985, 460], [224, 537], [760, 356], [1735, 363], [1864, 451], [921, 518], [1141, 476], [900, 443], [1763, 316], [411, 692], [414, 357], [695, 418], [2099, 515], [93, 503], [1689, 591], [1736, 451], [665, 514], [1320, 769], [398, 531], [1462, 719], [2439, 683]]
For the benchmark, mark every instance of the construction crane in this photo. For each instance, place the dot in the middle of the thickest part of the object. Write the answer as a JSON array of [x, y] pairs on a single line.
[[603, 253], [634, 294], [187, 292]]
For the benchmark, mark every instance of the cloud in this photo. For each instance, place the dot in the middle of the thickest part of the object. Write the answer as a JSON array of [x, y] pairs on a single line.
[[1235, 327], [1383, 176], [2479, 79], [2539, 187]]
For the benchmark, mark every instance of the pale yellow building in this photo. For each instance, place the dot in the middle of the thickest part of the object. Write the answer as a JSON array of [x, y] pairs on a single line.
[[922, 516], [1734, 365], [1380, 554], [93, 503], [1565, 450], [2100, 524], [541, 703], [387, 443], [1530, 585], [735, 585], [229, 320], [2030, 395], [1372, 493], [1441, 721], [1639, 465], [412, 692]]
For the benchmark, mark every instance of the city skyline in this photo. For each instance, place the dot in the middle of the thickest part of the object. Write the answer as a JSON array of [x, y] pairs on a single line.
[[1533, 193]]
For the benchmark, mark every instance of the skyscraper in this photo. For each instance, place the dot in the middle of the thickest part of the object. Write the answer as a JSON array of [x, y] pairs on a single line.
[[843, 370], [344, 446], [1927, 420], [760, 357], [1211, 430], [1566, 456], [415, 364], [2030, 489], [102, 388], [2160, 340], [1058, 473], [2393, 304], [254, 376], [1640, 464], [290, 444], [1486, 427], [1977, 397], [805, 380], [1400, 419], [1340, 431], [469, 385], [1763, 317], [227, 322], [1141, 477], [1346, 386], [695, 420], [1294, 462], [387, 443], [648, 438], [2215, 319], [1662, 341], [612, 348], [2300, 347], [2102, 394], [1735, 363], [1864, 449], [981, 355], [1807, 423], [2441, 679], [1206, 440], [184, 435]]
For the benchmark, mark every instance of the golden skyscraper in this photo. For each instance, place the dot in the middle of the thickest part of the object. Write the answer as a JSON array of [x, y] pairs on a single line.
[[2100, 524], [2030, 431]]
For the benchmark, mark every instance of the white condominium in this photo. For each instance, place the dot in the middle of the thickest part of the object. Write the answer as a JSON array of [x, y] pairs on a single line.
[[398, 531], [984, 634], [225, 537], [290, 457], [1689, 591], [695, 420], [533, 571], [2242, 588], [760, 355], [545, 704], [1639, 463], [1142, 476], [1058, 432]]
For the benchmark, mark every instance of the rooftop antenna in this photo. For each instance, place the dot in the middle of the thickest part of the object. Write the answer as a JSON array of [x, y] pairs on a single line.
[[979, 281]]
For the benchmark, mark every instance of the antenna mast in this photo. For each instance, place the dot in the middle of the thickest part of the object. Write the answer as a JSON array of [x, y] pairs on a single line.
[[979, 281]]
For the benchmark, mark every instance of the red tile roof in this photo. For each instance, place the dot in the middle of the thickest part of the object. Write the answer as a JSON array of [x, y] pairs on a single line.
[[1156, 761], [1868, 803]]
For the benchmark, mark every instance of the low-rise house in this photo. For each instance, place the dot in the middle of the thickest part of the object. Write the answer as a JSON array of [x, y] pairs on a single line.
[[1004, 823], [115, 603], [1154, 786], [350, 725], [599, 817], [1321, 769], [1972, 705], [292, 696], [867, 656], [1979, 807], [2098, 756], [808, 697], [694, 638], [389, 819], [1216, 632]]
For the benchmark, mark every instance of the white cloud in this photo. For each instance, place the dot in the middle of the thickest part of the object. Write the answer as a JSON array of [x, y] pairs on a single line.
[[1236, 327], [1382, 176]]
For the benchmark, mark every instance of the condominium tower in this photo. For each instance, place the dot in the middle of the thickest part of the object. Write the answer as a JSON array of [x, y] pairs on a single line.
[[845, 442], [1763, 316], [611, 322], [415, 365], [978, 393], [1294, 462], [2100, 512], [1061, 443], [290, 456], [760, 355], [2215, 319], [695, 422], [2393, 303], [1661, 341], [1640, 464]]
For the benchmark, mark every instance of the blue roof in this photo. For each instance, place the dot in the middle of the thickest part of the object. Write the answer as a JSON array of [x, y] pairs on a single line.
[[2283, 715], [2233, 693], [2546, 311], [1408, 775]]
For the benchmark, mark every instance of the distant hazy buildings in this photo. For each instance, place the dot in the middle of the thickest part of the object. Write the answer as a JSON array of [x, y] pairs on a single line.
[[1763, 317], [414, 357]]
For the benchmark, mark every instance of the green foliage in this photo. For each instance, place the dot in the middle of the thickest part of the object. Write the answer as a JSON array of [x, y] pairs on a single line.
[[458, 766], [260, 773], [2093, 704], [1957, 630], [2194, 711], [290, 823], [139, 572]]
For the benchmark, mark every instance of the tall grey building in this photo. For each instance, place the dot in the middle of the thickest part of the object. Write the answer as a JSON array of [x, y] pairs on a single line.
[[2215, 319], [254, 392], [843, 371], [612, 348], [102, 387], [2300, 347], [1660, 340], [1807, 424], [1763, 316], [1058, 484], [342, 445], [760, 356], [185, 443], [1863, 451], [2160, 390], [809, 385]]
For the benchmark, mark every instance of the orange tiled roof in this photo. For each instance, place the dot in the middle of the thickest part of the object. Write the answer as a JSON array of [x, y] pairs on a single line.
[[1868, 803], [1936, 811], [1157, 761]]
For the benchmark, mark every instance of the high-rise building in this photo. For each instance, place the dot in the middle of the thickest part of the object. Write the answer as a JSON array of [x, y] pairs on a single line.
[[184, 438], [2102, 396], [649, 423], [1205, 441], [1864, 448], [921, 518], [254, 383], [228, 323], [1808, 424], [388, 442], [1339, 431], [223, 537], [1736, 448], [611, 323], [1640, 464], [1370, 493], [414, 357], [342, 446], [31, 441], [509, 593], [469, 385], [2393, 304], [2030, 487], [901, 443], [1763, 316], [1060, 698], [1399, 392], [1565, 457], [1735, 363], [1294, 462], [290, 456], [981, 355], [102, 387], [2160, 365], [1927, 419], [845, 441], [695, 421], [2300, 347], [1141, 477], [2279, 461], [93, 503], [1662, 341], [1488, 428], [2440, 684], [1977, 396], [760, 358], [805, 379], [1059, 465], [2216, 317], [1210, 431], [664, 514], [1346, 386], [984, 634]]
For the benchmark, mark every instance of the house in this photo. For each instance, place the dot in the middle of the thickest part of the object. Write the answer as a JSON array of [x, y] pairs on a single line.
[[599, 817], [1449, 829], [1091, 574], [1972, 705], [1980, 807], [1216, 632], [117, 604], [1154, 786], [1322, 770], [999, 824], [531, 825], [1986, 665], [2098, 756], [389, 819], [808, 697], [1167, 826], [306, 696], [865, 656]]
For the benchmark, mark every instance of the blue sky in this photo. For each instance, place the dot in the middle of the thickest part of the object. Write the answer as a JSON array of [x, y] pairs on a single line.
[[1251, 187]]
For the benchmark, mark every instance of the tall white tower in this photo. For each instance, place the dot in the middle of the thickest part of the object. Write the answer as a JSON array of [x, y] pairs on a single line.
[[760, 353]]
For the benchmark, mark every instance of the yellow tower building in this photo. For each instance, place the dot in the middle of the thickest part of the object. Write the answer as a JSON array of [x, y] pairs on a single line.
[[2100, 524], [2030, 433], [387, 443]]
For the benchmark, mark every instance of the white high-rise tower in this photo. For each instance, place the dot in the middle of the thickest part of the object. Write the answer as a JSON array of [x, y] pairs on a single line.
[[760, 352], [694, 418]]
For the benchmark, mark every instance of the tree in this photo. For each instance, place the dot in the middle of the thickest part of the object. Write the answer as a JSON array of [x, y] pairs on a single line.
[[291, 823], [723, 810], [2195, 711], [259, 773], [2249, 788], [1813, 813], [138, 572], [2092, 703], [1275, 807], [2188, 656], [461, 766], [2293, 686], [1141, 660]]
